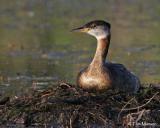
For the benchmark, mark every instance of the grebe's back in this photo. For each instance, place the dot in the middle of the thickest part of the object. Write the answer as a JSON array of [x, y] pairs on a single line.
[[123, 79]]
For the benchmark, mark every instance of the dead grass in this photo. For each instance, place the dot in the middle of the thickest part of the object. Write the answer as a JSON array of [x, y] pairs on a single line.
[[67, 106]]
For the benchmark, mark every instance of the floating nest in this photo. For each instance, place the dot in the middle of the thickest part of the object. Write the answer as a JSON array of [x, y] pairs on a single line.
[[70, 107]]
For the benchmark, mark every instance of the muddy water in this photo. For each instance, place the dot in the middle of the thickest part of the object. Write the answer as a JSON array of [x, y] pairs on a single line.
[[37, 48]]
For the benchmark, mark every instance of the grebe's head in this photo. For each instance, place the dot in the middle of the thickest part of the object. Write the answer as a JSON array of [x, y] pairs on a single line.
[[98, 28]]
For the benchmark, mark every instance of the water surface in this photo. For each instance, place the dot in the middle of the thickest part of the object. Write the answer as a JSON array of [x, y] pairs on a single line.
[[38, 49]]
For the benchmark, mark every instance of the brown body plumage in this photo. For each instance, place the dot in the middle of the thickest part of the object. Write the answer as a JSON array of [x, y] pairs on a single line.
[[101, 75]]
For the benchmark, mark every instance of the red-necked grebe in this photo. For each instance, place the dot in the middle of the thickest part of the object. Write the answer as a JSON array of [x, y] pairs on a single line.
[[102, 75]]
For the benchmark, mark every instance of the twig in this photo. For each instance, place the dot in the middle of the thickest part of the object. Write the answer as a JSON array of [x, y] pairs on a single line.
[[70, 123], [141, 106], [140, 115], [47, 94], [65, 85], [124, 108], [98, 116], [138, 107]]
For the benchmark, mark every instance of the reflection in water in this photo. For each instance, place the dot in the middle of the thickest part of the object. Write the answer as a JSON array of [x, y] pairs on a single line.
[[37, 47]]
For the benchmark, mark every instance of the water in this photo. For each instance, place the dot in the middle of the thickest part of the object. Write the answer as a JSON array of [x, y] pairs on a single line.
[[37, 47]]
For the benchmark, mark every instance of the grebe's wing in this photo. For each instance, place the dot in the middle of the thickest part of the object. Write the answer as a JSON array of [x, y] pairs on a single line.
[[122, 78]]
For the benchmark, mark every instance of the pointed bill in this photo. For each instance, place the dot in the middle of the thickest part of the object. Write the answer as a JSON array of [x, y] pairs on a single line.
[[80, 29]]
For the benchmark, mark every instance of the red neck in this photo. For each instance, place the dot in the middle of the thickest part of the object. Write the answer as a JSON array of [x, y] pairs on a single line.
[[101, 51]]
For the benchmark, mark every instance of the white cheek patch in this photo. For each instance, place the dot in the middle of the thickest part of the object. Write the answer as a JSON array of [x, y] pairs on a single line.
[[99, 34]]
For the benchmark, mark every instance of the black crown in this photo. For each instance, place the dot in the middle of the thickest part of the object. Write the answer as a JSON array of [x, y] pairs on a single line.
[[95, 23]]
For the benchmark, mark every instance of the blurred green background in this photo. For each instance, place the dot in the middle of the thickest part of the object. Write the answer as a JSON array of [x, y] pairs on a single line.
[[37, 47]]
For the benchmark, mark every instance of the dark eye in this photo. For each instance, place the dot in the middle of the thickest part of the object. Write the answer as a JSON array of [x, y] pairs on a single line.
[[93, 26]]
